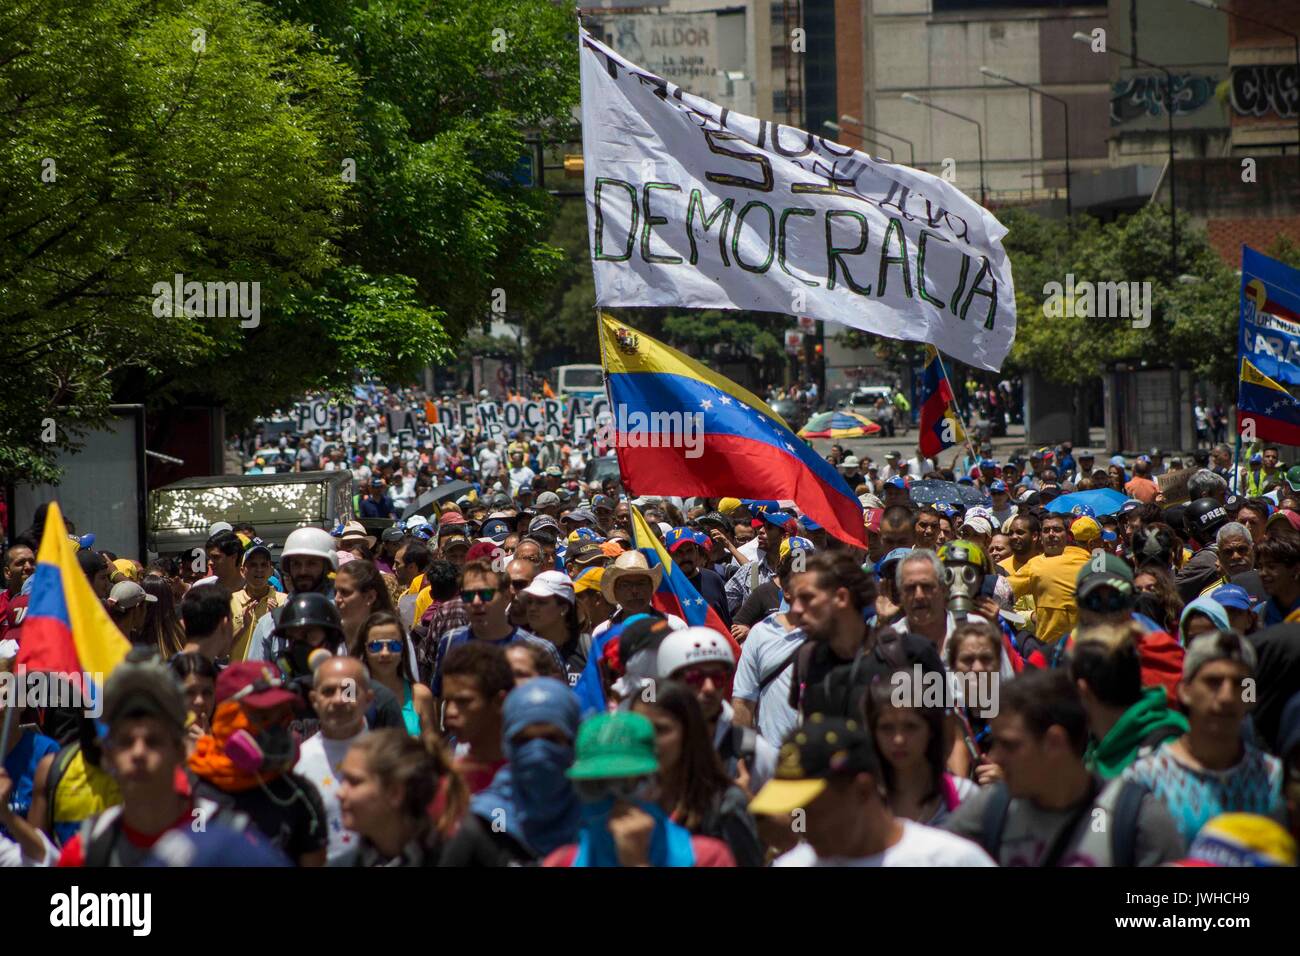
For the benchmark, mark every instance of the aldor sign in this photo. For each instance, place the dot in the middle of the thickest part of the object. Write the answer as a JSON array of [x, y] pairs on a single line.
[[693, 205]]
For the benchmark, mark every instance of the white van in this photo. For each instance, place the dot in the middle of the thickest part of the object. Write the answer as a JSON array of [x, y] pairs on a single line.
[[586, 381]]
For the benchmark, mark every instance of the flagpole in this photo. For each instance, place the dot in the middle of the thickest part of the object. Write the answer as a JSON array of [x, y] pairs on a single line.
[[956, 405]]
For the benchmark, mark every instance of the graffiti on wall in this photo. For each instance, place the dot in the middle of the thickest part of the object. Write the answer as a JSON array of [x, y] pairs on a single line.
[[1264, 89], [1144, 95]]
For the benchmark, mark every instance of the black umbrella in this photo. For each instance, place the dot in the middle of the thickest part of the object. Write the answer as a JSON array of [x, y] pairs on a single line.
[[931, 491], [427, 503]]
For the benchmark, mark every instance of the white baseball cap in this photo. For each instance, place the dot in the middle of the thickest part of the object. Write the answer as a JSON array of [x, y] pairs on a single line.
[[551, 584]]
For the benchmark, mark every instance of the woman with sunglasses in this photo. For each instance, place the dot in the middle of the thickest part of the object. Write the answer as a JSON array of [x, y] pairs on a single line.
[[360, 591], [382, 644], [693, 788]]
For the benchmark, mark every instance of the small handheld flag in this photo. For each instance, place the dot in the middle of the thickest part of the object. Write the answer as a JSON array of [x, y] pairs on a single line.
[[940, 425], [676, 594], [66, 629]]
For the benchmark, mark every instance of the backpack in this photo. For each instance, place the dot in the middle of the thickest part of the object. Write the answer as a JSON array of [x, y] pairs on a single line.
[[99, 834], [841, 692], [1123, 833]]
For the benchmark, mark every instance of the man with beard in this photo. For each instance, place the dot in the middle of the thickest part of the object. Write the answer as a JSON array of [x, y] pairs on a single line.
[[1025, 542], [686, 547], [925, 527], [828, 599], [773, 528], [307, 559]]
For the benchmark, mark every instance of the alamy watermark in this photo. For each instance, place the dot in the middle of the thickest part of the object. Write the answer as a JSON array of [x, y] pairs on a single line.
[[52, 689], [975, 690], [1098, 300], [212, 300], [634, 428]]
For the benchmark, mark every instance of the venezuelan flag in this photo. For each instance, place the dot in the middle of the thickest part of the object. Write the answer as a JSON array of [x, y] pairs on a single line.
[[66, 629], [1266, 407], [940, 426], [745, 450], [676, 594]]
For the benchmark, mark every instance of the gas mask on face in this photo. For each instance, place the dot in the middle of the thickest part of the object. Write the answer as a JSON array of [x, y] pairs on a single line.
[[963, 582], [270, 752]]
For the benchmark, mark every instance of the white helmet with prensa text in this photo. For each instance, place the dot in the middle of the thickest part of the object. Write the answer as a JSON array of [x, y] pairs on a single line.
[[311, 543], [693, 645]]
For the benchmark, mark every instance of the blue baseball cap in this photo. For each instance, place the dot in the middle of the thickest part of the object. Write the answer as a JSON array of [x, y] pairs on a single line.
[[965, 480], [893, 557], [987, 464], [999, 486], [1117, 460], [897, 482], [1108, 535], [497, 529], [779, 518], [1256, 458], [757, 506], [808, 524], [1232, 596]]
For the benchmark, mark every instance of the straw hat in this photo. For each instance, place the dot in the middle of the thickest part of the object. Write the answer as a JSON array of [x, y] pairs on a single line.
[[628, 564]]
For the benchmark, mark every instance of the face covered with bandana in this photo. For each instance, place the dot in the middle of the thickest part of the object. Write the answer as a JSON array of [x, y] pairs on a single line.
[[539, 721]]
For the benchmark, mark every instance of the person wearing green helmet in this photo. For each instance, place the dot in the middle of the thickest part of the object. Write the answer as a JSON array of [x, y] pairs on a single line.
[[615, 773]]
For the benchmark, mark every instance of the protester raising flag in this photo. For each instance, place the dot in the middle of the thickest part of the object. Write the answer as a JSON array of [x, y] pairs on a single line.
[[66, 629], [940, 424], [682, 429], [695, 206], [675, 594]]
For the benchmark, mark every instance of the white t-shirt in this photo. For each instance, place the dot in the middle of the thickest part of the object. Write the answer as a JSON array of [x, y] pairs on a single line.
[[920, 846], [320, 760], [489, 461], [766, 648], [518, 476]]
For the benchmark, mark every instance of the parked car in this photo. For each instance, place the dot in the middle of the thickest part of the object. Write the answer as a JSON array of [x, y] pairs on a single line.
[[793, 412], [864, 400]]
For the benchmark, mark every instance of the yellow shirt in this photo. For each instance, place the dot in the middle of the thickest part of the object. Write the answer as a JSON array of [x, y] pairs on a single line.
[[1012, 564], [245, 612], [1050, 582]]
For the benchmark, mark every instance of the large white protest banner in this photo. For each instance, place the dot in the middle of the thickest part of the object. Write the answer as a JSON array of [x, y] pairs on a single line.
[[692, 205]]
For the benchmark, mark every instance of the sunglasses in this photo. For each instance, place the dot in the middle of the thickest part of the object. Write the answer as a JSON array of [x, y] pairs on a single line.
[[696, 676], [483, 594], [394, 647]]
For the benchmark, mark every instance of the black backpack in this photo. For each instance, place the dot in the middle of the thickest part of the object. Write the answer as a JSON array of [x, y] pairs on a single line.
[[842, 691]]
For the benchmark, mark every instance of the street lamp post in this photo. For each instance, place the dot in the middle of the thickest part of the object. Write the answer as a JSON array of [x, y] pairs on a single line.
[[911, 147], [1069, 201], [1169, 106], [913, 98], [836, 128], [1295, 40]]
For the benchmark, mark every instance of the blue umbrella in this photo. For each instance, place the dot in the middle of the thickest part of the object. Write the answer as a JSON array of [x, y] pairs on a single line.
[[1103, 501]]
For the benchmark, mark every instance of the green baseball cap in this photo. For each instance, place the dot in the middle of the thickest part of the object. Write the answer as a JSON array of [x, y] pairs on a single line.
[[1104, 569], [614, 745], [1292, 477]]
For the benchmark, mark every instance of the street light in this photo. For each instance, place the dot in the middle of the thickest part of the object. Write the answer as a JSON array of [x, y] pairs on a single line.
[[1069, 202], [1169, 106], [913, 98], [1295, 40], [911, 147], [835, 127]]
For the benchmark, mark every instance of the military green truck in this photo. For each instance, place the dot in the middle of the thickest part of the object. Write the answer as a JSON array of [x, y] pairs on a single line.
[[181, 513]]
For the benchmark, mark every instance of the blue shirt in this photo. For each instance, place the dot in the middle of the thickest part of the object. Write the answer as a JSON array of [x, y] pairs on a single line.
[[383, 508], [463, 635], [32, 747]]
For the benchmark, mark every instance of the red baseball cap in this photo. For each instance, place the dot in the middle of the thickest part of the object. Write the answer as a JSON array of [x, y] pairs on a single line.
[[255, 683]]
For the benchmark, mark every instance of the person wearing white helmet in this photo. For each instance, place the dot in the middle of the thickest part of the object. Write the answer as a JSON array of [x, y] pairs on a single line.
[[702, 659], [305, 563]]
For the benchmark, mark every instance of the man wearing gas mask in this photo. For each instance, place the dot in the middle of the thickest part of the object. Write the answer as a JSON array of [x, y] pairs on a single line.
[[245, 764], [942, 591]]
